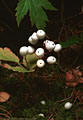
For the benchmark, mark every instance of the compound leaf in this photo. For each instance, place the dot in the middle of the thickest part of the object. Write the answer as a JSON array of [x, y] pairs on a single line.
[[36, 11], [7, 55]]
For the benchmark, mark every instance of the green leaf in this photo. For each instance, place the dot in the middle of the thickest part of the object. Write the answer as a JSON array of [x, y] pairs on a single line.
[[22, 9], [36, 11], [31, 60], [47, 5], [7, 55], [15, 68], [40, 19], [73, 40]]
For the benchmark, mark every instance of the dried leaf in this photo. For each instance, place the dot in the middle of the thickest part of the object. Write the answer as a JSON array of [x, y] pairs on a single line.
[[4, 96], [73, 77], [77, 72], [81, 80], [71, 84], [69, 76]]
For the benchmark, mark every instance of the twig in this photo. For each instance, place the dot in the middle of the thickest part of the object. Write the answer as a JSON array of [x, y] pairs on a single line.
[[26, 62], [47, 37], [62, 11], [77, 115], [66, 98], [51, 116], [76, 96], [64, 71], [60, 32]]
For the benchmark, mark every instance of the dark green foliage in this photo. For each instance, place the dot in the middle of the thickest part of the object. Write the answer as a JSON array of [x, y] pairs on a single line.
[[63, 114], [31, 111], [22, 8], [36, 11], [71, 41]]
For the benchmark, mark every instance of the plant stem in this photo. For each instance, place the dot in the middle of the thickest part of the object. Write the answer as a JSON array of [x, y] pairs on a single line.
[[26, 62], [62, 11]]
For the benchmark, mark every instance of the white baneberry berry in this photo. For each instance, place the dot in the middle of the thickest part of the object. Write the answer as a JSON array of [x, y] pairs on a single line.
[[41, 115], [40, 52], [41, 34], [68, 105], [57, 48], [51, 60], [40, 63], [23, 51], [43, 102], [34, 37], [30, 50], [49, 45], [30, 40]]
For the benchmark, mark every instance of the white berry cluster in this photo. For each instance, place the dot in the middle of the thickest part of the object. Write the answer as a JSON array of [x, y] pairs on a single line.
[[40, 52], [26, 50], [33, 39]]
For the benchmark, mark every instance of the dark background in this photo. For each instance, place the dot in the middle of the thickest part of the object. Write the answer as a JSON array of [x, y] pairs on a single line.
[[14, 37]]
